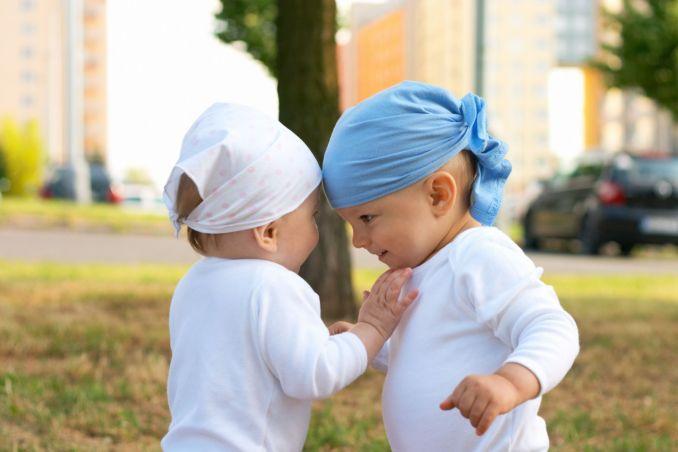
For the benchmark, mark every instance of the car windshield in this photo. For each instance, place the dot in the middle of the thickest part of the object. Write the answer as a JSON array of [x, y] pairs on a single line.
[[650, 171], [587, 170]]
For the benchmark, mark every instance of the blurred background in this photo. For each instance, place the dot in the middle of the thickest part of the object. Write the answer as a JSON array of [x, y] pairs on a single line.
[[95, 97]]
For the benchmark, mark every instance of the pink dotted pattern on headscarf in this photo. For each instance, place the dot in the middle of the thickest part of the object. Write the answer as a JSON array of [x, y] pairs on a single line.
[[249, 170]]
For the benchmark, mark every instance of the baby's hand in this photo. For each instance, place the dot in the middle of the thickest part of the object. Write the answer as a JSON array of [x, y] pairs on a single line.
[[340, 327], [481, 398], [381, 308]]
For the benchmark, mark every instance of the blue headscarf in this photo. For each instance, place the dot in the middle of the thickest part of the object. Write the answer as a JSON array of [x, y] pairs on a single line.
[[404, 133]]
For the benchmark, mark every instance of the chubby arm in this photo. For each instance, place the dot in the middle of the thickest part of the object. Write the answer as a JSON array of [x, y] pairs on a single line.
[[297, 347], [380, 361], [523, 313]]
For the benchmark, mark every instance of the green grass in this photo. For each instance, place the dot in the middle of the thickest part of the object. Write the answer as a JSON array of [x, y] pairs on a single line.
[[38, 213], [84, 354]]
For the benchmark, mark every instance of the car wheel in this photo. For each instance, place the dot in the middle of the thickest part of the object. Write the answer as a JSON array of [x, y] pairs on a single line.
[[589, 238]]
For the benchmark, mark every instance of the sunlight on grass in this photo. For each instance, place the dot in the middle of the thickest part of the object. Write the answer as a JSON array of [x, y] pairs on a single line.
[[41, 273], [34, 212]]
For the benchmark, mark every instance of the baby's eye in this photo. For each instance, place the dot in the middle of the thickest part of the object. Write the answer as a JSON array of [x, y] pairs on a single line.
[[366, 218]]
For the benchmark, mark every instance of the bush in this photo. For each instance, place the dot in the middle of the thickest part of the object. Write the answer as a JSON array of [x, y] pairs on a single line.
[[3, 164], [22, 152]]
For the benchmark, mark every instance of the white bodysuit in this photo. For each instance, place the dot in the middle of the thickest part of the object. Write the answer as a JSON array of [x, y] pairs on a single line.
[[482, 305], [249, 354]]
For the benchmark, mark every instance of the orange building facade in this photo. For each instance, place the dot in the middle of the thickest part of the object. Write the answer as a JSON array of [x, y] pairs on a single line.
[[381, 56]]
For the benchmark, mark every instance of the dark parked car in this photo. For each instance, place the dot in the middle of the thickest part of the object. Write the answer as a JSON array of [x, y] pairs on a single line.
[[61, 185], [626, 199]]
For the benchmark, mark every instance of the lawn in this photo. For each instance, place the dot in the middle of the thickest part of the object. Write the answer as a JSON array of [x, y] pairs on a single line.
[[38, 213], [84, 354]]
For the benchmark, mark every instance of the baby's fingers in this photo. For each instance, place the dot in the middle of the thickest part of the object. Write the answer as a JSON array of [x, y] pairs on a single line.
[[477, 410], [491, 412], [396, 283], [453, 399], [409, 299], [380, 284], [389, 289], [447, 404]]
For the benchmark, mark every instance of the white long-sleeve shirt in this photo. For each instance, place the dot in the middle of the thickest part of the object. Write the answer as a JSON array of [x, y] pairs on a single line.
[[249, 354], [481, 305]]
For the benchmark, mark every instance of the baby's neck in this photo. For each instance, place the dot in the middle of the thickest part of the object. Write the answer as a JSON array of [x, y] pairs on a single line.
[[233, 245], [465, 222]]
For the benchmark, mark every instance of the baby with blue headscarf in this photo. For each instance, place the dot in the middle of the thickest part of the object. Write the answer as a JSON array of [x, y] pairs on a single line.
[[419, 179]]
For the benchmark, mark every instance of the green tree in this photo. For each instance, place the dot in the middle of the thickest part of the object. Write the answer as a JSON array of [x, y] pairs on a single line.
[[4, 181], [646, 54], [23, 153], [251, 22], [295, 40], [3, 165]]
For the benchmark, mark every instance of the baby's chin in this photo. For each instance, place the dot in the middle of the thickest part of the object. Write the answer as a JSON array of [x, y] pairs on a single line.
[[395, 264]]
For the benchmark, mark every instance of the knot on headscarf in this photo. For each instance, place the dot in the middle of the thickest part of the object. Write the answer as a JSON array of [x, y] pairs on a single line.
[[403, 134]]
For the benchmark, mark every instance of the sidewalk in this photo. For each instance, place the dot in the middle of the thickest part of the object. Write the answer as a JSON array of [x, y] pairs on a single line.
[[84, 247]]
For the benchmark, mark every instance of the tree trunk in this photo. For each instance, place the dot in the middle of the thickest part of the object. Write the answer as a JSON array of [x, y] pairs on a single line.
[[309, 97]]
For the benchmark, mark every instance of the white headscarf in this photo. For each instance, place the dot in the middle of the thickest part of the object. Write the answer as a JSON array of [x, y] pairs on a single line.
[[249, 170]]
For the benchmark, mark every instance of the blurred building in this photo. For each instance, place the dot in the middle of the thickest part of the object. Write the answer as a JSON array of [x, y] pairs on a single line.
[[612, 120], [437, 41], [576, 30], [95, 61], [32, 82], [520, 51], [629, 120], [372, 54], [442, 42]]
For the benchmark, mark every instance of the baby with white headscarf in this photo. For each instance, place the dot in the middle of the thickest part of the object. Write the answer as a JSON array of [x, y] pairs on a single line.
[[249, 350]]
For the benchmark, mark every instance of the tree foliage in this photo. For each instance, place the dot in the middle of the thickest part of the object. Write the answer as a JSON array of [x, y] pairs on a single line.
[[251, 22], [646, 55]]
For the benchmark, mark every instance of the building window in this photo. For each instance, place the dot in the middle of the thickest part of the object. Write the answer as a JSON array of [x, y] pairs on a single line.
[[27, 76], [27, 52], [27, 101], [27, 5], [28, 29]]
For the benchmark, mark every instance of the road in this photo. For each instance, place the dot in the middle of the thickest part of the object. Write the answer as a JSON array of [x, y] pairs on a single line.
[[84, 247]]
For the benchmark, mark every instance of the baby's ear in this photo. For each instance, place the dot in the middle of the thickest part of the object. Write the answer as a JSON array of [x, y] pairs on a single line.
[[266, 236], [442, 192]]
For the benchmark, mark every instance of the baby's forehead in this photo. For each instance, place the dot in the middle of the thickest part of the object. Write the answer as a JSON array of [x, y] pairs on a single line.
[[389, 201]]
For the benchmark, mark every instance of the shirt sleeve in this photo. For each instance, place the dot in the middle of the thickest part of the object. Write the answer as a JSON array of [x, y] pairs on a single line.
[[296, 345], [503, 290]]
